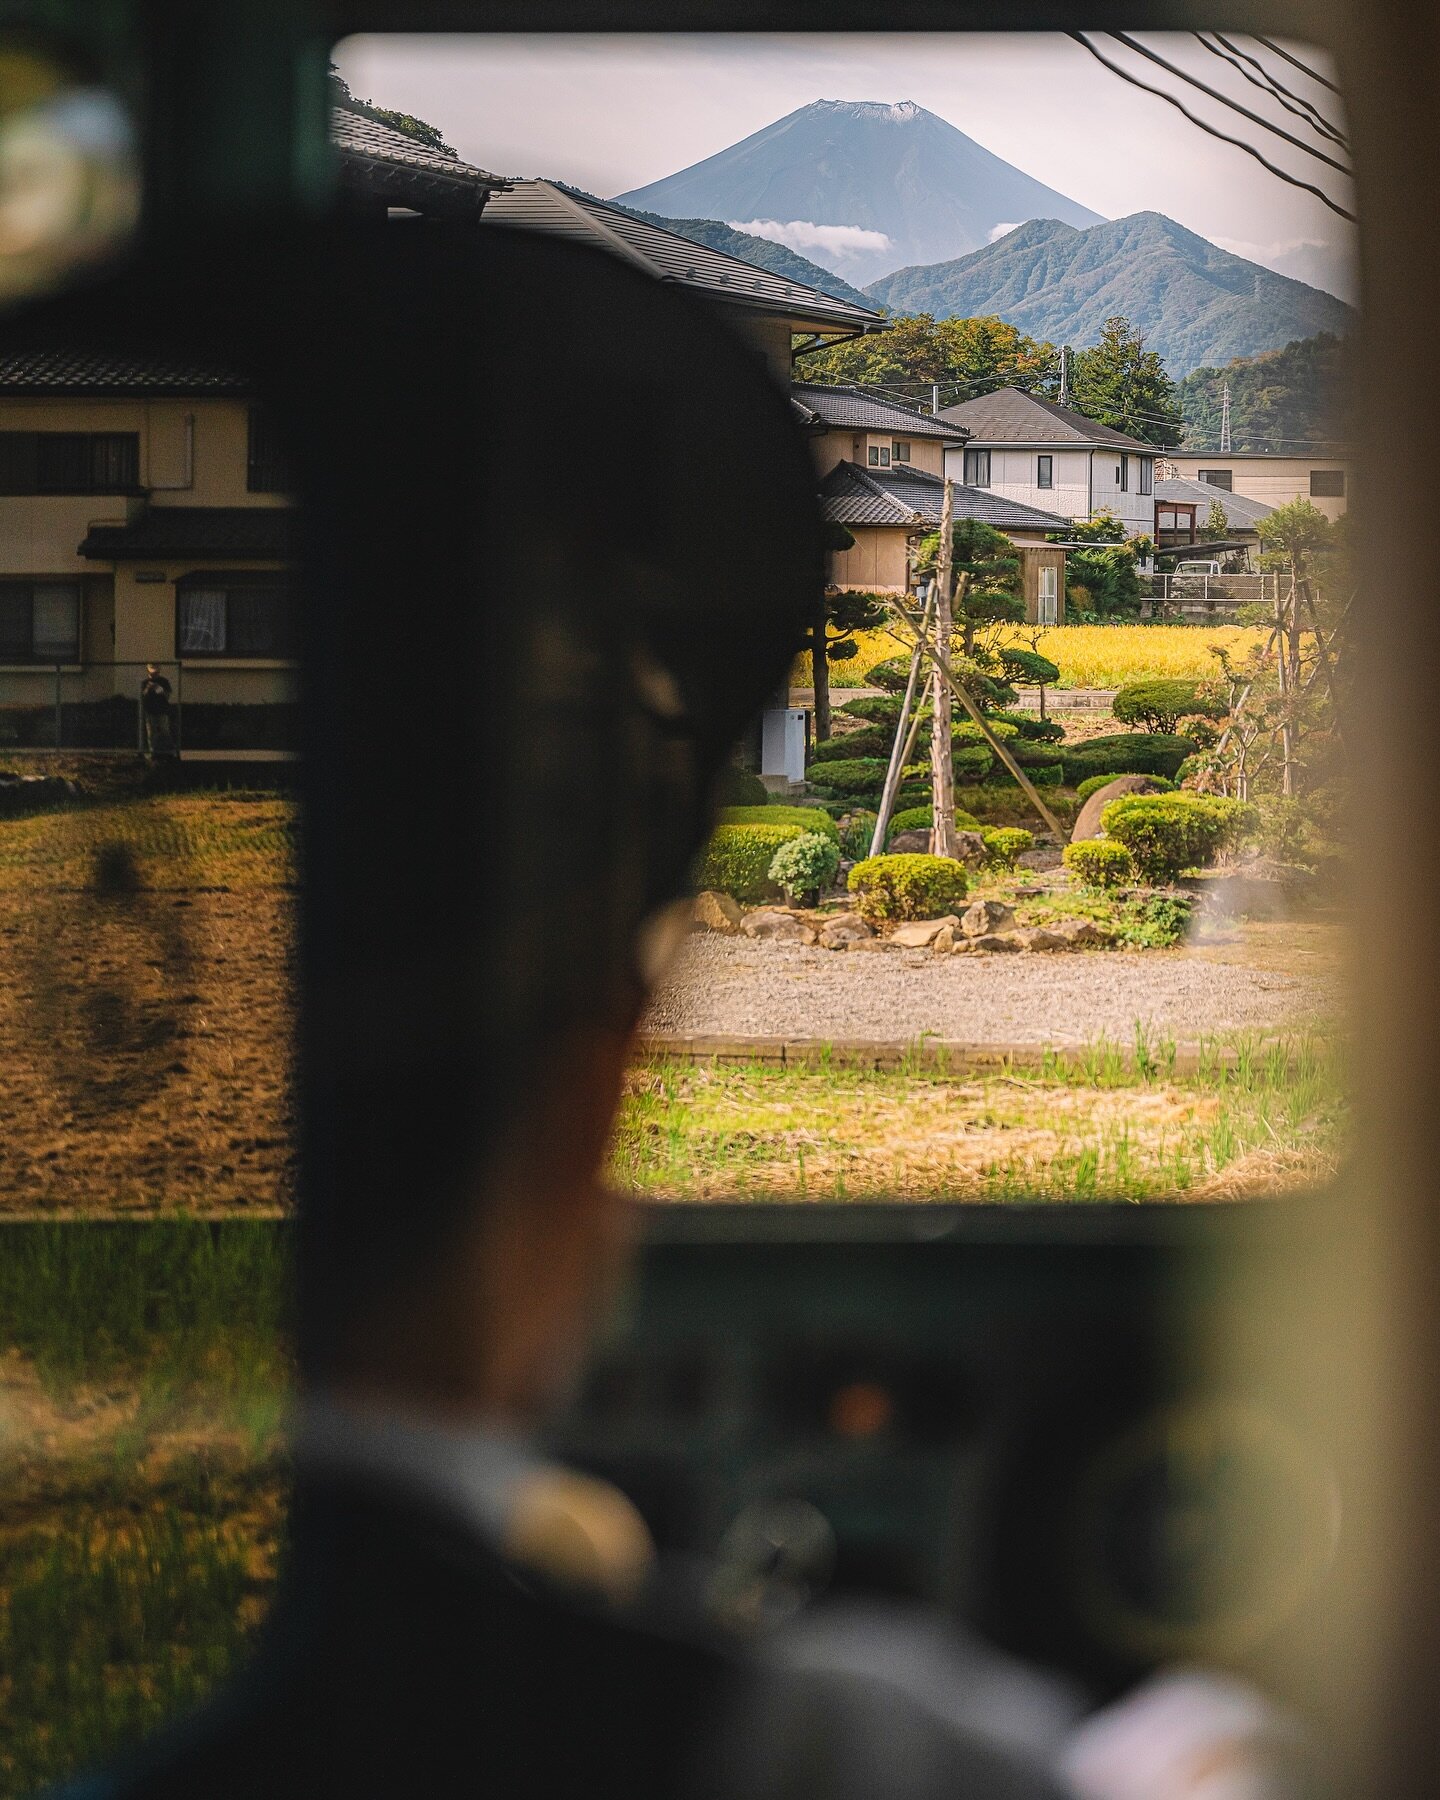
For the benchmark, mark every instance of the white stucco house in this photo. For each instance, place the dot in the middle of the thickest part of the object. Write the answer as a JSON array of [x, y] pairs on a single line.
[[1043, 455]]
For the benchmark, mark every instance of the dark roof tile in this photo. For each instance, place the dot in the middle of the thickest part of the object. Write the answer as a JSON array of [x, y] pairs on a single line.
[[903, 495], [250, 533], [858, 408], [1011, 416]]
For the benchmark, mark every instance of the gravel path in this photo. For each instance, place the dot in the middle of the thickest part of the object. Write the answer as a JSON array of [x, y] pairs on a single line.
[[737, 987]]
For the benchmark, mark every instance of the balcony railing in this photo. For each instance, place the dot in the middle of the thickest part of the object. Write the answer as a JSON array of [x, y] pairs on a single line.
[[1206, 596]]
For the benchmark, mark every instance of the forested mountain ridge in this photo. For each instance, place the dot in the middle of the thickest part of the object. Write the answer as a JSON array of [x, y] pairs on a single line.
[[777, 258], [1279, 401], [1196, 304]]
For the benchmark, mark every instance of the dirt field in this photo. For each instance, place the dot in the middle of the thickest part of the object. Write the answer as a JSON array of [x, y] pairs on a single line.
[[145, 1008]]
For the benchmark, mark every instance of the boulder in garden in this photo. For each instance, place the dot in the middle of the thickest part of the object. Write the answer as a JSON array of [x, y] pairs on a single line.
[[776, 926], [944, 941], [843, 931], [1036, 937], [1079, 932], [991, 941], [920, 934], [984, 916], [1088, 823], [715, 911], [909, 843]]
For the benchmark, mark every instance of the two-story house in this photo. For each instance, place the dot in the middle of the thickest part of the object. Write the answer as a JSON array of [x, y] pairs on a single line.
[[882, 476], [1327, 481], [1039, 454]]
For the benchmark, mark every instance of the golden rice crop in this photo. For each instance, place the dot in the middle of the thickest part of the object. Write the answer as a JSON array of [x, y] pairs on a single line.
[[1098, 656]]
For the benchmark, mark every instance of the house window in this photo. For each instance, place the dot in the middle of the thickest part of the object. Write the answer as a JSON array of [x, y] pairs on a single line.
[[240, 615], [1327, 484], [265, 471], [1049, 610], [879, 457], [39, 621], [901, 451], [1045, 471], [69, 462], [1147, 475], [1122, 474], [1220, 478], [977, 468]]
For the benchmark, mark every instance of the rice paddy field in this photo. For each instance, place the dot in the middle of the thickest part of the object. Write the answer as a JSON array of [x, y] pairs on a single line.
[[1088, 656]]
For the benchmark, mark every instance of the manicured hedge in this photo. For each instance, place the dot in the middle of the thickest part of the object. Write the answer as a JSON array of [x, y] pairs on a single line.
[[805, 866], [1158, 705], [738, 857], [1031, 726], [1126, 753], [889, 889], [1006, 844], [859, 775], [738, 787], [1169, 833], [875, 741], [1093, 783], [1099, 863], [808, 818], [921, 818]]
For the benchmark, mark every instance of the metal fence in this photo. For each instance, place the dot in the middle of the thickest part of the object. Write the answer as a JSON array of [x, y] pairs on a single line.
[[95, 708], [1206, 596]]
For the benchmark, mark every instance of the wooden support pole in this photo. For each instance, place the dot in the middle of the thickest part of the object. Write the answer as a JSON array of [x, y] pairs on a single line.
[[901, 748], [942, 751]]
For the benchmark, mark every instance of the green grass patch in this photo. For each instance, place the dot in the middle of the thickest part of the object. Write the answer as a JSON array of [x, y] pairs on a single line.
[[201, 840]]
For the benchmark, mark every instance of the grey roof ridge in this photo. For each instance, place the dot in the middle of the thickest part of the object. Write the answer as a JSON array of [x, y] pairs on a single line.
[[877, 487], [958, 432], [612, 237]]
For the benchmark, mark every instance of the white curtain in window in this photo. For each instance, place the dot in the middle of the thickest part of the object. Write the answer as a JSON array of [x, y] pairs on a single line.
[[1049, 596], [56, 624], [202, 621]]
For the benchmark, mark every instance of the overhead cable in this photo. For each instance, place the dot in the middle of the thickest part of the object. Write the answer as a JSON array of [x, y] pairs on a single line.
[[1295, 62], [1300, 109]]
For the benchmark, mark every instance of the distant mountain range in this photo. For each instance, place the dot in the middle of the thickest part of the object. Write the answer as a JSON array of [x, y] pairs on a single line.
[[760, 251], [1279, 402], [866, 186], [1196, 303]]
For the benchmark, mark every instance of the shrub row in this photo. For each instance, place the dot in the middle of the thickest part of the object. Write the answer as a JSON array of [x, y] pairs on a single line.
[[1157, 706], [1126, 753], [808, 818], [1099, 863], [737, 859], [1169, 833], [891, 889]]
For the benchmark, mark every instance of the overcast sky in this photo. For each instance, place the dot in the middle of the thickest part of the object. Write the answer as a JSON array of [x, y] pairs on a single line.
[[613, 113]]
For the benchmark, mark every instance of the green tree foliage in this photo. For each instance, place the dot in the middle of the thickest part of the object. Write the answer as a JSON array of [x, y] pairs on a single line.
[[405, 123], [1105, 566], [1217, 523], [964, 357], [989, 586], [1159, 705], [1119, 383], [1280, 401], [1297, 533]]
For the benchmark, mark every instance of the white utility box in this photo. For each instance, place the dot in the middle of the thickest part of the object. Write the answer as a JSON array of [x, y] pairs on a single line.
[[782, 742]]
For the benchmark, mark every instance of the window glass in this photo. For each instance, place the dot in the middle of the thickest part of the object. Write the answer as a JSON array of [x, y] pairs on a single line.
[[874, 457], [1044, 471], [14, 622], [56, 627], [977, 468], [1122, 474], [1328, 484], [1147, 475], [258, 620], [200, 630], [1220, 478], [901, 452]]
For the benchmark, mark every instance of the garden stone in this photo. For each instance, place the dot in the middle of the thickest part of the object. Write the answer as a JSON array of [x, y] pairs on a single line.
[[944, 941], [777, 926], [1077, 932], [920, 934], [1088, 823], [983, 916], [993, 941], [715, 911], [844, 932], [1038, 938], [909, 843], [970, 849]]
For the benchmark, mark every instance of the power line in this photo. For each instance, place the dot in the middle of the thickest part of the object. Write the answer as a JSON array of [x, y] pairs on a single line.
[[1301, 109], [1130, 43], [1210, 130], [1279, 86], [1295, 62]]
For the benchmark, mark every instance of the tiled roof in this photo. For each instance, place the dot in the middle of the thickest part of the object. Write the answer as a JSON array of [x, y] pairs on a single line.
[[1240, 513], [562, 212], [858, 409], [49, 371], [249, 533], [385, 163], [1010, 416], [902, 495]]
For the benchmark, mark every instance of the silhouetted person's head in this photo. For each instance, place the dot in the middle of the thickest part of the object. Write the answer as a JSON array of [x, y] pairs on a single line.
[[572, 506]]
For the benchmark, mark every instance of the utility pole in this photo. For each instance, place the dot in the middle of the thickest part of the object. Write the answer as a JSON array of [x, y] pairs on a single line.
[[1225, 420], [934, 398], [942, 751], [1064, 374]]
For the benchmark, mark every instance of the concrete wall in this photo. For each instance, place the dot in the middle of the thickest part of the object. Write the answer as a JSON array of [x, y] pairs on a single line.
[[1276, 480]]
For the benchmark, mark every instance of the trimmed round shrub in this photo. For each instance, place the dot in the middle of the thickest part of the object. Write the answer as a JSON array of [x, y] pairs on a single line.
[[1028, 667], [873, 741], [968, 732], [1159, 705], [857, 834], [973, 763], [738, 787], [892, 674], [1049, 775], [875, 709], [737, 859], [805, 866], [857, 775], [1126, 753], [1169, 833], [1006, 844], [1031, 726], [921, 818], [1099, 863], [1093, 783], [891, 889], [808, 818]]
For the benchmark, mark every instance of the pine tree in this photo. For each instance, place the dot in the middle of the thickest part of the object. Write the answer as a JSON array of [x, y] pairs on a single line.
[[1119, 383]]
